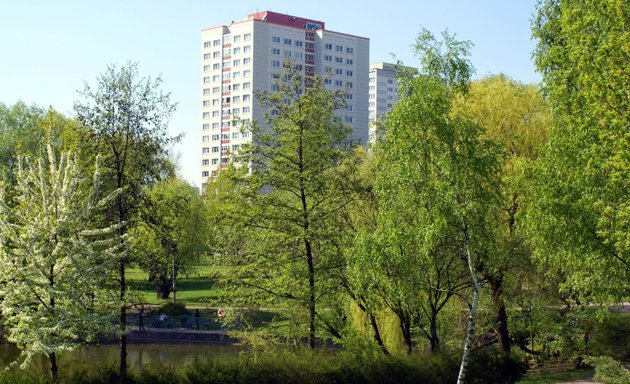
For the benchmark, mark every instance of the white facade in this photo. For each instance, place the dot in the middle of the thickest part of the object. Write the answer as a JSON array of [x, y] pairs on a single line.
[[383, 92], [240, 58]]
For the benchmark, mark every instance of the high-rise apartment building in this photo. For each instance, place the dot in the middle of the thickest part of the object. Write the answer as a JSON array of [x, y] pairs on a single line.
[[248, 55], [383, 91]]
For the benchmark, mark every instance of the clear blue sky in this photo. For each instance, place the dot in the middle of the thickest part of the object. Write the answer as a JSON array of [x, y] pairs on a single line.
[[50, 48]]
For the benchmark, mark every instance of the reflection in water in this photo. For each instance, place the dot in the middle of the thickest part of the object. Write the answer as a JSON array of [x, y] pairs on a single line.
[[139, 355]]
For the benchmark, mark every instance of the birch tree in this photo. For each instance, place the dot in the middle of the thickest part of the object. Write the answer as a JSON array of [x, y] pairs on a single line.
[[54, 259]]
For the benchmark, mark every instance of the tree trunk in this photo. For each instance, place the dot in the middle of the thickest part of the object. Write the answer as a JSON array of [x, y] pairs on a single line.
[[405, 328], [433, 331], [54, 369], [311, 294], [377, 334], [122, 322], [500, 314], [470, 329], [164, 287]]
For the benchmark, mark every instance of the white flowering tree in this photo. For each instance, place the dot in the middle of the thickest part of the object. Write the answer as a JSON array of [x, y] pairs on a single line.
[[53, 260]]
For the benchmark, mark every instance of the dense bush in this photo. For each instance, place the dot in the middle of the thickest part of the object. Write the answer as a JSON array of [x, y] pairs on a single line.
[[609, 371], [301, 367], [172, 309]]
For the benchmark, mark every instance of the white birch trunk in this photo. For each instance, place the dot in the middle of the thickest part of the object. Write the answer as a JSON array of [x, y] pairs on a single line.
[[470, 331]]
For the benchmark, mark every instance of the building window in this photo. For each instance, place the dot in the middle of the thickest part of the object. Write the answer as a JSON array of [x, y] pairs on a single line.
[[338, 83], [205, 174], [206, 103], [236, 99], [236, 38], [205, 162], [348, 119], [207, 44], [206, 79], [338, 48], [236, 87], [236, 51], [349, 84], [247, 48], [206, 127], [236, 62], [338, 71], [216, 90], [349, 62], [216, 66], [247, 36], [390, 89], [205, 150], [328, 46], [328, 81], [327, 58], [246, 98], [287, 41], [247, 85], [215, 137], [275, 63], [349, 73], [338, 60], [372, 80], [298, 55], [245, 134], [227, 51], [206, 56], [247, 73], [327, 69], [350, 50], [215, 149], [215, 161], [225, 160], [287, 53], [236, 75], [246, 110], [234, 147], [205, 138], [215, 126], [216, 42], [235, 135], [215, 102], [236, 111], [275, 39], [275, 51], [216, 78], [215, 113], [299, 43], [206, 115], [216, 54], [390, 81]]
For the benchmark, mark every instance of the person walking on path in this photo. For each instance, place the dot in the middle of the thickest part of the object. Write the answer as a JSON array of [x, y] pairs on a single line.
[[141, 319], [197, 318]]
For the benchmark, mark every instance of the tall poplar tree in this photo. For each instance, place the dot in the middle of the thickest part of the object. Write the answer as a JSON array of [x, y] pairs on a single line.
[[128, 117]]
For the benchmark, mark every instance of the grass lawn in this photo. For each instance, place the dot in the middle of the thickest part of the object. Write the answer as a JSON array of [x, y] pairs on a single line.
[[542, 377], [194, 289]]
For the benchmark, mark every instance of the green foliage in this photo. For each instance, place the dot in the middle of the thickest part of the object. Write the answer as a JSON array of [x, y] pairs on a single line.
[[170, 234], [491, 366], [609, 371], [171, 309], [288, 203], [611, 337], [578, 202], [54, 258]]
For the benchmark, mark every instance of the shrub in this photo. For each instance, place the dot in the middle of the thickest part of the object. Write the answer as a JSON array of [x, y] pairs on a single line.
[[609, 371], [172, 309], [491, 366]]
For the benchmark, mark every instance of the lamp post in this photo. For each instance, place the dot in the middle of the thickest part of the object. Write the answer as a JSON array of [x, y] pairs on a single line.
[[173, 251]]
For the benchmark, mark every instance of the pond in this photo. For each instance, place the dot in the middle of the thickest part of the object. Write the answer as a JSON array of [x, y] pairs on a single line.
[[139, 355]]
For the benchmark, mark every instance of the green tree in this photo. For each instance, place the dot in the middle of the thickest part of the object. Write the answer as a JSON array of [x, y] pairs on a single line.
[[128, 118], [516, 117], [54, 258], [293, 194], [170, 233], [578, 208], [438, 179]]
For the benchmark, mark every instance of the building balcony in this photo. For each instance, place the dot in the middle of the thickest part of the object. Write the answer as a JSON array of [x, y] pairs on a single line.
[[225, 129], [309, 62], [228, 45], [226, 93], [225, 105], [226, 117], [225, 141], [227, 69], [226, 81], [309, 50]]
